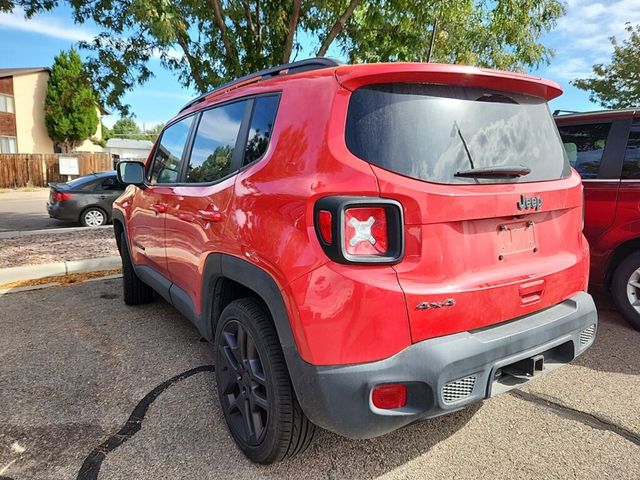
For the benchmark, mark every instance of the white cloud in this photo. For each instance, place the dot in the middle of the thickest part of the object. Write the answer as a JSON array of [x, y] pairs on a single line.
[[53, 27], [48, 26], [570, 69], [582, 35]]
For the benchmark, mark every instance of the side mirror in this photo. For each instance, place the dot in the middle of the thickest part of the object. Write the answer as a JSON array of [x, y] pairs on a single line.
[[131, 173]]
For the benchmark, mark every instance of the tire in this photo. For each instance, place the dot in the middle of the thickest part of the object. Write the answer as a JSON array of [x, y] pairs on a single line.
[[135, 291], [251, 375], [93, 217], [625, 287]]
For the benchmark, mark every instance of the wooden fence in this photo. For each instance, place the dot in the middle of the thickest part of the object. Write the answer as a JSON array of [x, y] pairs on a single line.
[[39, 169]]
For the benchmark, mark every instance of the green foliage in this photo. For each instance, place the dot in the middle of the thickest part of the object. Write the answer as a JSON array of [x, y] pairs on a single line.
[[70, 105], [153, 133], [106, 133], [503, 34], [127, 127], [208, 42], [617, 85]]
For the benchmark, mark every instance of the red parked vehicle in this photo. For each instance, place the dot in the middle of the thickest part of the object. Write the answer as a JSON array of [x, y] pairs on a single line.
[[365, 245], [604, 147]]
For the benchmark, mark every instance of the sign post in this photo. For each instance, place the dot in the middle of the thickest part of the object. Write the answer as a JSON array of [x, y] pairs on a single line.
[[68, 166]]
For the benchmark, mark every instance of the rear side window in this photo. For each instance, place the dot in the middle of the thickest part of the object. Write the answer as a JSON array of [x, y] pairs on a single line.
[[631, 165], [431, 132], [166, 163], [262, 120], [110, 184], [585, 146], [212, 153]]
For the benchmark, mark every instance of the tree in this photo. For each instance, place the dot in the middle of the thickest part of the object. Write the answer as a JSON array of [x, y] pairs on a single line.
[[209, 42], [153, 133], [617, 85], [71, 103], [126, 127]]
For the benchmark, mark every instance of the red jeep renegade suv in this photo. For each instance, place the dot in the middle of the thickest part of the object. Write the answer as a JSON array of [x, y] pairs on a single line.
[[365, 245], [604, 147]]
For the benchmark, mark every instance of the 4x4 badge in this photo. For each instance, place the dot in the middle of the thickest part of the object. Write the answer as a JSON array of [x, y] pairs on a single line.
[[427, 305], [529, 203]]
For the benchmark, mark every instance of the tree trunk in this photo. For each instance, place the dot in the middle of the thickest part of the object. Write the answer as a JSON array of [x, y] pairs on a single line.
[[337, 27]]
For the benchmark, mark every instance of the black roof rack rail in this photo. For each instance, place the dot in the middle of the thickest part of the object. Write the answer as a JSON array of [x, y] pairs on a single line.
[[291, 68], [560, 112]]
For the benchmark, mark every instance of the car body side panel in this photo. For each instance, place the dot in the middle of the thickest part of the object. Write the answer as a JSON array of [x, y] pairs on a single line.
[[612, 206], [190, 238]]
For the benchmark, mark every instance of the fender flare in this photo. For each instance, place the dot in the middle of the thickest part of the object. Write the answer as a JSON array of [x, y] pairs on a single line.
[[222, 266]]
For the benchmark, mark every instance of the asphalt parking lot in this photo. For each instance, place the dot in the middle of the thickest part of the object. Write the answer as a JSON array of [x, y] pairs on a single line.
[[27, 211], [90, 388]]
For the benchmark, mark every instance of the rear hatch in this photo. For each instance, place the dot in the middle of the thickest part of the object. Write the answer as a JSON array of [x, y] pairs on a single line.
[[492, 209]]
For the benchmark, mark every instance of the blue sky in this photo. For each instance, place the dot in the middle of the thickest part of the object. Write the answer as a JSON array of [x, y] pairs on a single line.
[[580, 40]]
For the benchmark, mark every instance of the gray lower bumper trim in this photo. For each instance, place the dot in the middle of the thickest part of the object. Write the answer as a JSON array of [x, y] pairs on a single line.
[[338, 398]]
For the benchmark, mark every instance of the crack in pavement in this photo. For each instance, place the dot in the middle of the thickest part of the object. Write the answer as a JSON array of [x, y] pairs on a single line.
[[570, 413], [92, 464]]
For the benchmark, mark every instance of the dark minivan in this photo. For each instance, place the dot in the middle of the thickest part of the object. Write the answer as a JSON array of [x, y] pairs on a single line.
[[87, 199]]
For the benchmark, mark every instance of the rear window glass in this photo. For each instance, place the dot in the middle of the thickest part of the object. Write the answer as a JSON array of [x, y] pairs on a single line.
[[431, 132], [86, 183], [81, 182], [264, 114]]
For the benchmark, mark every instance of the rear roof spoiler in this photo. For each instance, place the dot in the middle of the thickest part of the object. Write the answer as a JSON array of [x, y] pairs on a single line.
[[354, 76]]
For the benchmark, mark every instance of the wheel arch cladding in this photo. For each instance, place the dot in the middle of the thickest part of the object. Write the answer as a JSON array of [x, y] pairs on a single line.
[[621, 252], [221, 268]]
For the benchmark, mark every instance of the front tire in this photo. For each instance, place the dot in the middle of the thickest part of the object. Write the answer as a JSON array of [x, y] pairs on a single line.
[[254, 388], [93, 217], [625, 288], [135, 291]]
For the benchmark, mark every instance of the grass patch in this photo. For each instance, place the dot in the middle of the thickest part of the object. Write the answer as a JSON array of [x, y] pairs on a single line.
[[62, 280]]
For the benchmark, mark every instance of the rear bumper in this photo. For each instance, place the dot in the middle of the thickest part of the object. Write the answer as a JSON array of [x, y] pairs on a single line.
[[338, 398], [60, 212]]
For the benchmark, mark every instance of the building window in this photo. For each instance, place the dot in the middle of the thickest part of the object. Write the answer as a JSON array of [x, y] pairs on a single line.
[[8, 145], [6, 103]]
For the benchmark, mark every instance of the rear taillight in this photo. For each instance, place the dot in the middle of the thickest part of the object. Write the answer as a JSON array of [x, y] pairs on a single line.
[[389, 397], [365, 231], [61, 197], [324, 225], [360, 229]]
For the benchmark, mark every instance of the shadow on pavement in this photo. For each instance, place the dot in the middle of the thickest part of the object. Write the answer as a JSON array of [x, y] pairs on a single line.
[[617, 343]]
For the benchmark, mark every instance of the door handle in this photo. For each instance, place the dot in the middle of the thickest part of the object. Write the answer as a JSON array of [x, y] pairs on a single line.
[[159, 208], [210, 215]]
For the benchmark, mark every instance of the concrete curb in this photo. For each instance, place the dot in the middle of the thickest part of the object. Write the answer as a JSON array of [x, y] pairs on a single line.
[[32, 272], [50, 231]]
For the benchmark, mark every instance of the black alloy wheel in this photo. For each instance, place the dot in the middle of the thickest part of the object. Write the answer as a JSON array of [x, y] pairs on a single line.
[[254, 388], [243, 383]]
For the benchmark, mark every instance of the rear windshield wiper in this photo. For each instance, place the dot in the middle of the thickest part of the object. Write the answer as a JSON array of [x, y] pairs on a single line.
[[498, 171]]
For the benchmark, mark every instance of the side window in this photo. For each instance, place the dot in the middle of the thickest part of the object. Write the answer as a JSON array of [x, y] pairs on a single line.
[[585, 146], [262, 120], [166, 163], [631, 165], [110, 184], [212, 152]]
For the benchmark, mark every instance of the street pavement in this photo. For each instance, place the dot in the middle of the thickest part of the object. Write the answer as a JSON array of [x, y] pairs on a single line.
[[27, 211], [91, 388]]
